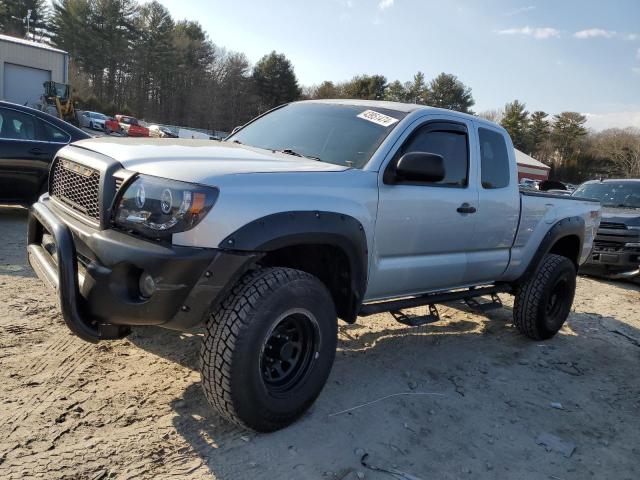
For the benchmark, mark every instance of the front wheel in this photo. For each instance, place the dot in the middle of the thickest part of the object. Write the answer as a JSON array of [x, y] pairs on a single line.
[[543, 302], [268, 348]]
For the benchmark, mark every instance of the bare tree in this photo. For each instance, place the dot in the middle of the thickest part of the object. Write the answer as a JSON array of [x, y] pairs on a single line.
[[494, 115], [622, 148]]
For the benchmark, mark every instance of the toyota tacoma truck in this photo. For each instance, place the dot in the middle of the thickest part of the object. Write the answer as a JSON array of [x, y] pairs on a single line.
[[314, 211]]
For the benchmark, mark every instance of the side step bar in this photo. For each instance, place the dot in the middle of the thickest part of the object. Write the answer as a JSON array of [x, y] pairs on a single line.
[[430, 299]]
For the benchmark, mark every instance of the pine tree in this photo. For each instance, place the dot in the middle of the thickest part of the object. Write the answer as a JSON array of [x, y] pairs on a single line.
[[367, 87], [13, 18], [396, 92], [446, 91], [516, 122], [539, 131], [275, 81]]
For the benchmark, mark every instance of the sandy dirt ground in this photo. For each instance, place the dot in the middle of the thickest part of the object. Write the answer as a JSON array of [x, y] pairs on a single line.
[[134, 408]]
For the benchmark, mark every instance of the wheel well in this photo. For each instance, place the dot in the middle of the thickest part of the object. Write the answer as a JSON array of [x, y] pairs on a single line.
[[328, 263], [569, 247]]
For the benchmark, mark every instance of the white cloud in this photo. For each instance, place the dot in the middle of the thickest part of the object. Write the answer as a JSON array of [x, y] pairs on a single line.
[[520, 10], [602, 121], [541, 33], [594, 33], [632, 36], [384, 4]]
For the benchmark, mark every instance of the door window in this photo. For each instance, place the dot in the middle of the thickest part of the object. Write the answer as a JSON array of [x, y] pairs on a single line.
[[451, 144], [16, 125]]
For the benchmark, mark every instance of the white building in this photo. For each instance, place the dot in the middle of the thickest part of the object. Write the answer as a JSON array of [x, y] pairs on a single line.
[[24, 67]]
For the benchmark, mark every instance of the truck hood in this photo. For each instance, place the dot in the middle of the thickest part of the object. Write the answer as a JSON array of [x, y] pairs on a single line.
[[198, 160], [627, 216]]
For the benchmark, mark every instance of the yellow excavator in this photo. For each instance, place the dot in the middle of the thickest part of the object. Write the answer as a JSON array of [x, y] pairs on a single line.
[[58, 96]]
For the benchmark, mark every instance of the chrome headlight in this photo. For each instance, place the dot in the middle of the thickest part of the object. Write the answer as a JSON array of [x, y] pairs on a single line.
[[156, 207]]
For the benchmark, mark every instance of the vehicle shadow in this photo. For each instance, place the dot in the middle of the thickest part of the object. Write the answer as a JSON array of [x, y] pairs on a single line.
[[630, 284], [444, 357], [164, 343], [13, 235]]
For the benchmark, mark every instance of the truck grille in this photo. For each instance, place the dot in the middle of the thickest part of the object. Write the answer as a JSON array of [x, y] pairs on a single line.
[[608, 246], [613, 226], [77, 186]]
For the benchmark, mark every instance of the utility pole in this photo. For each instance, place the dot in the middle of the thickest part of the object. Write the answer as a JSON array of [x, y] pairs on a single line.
[[26, 20]]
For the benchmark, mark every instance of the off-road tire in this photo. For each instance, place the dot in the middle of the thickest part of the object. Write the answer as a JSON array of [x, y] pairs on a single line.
[[233, 351], [535, 313]]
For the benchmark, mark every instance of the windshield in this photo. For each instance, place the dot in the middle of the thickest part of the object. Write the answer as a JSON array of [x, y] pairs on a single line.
[[98, 116], [340, 134], [612, 194]]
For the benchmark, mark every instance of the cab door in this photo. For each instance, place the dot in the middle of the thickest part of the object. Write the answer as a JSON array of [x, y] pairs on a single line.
[[424, 230]]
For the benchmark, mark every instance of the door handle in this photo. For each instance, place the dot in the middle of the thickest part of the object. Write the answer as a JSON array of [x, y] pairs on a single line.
[[37, 151], [466, 208]]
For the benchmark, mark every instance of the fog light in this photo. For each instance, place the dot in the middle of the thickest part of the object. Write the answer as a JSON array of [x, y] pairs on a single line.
[[147, 285]]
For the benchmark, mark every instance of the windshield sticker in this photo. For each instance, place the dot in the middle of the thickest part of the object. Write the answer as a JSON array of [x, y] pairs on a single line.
[[378, 118]]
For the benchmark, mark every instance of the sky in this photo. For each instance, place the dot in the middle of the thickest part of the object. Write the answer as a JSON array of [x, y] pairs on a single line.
[[554, 55]]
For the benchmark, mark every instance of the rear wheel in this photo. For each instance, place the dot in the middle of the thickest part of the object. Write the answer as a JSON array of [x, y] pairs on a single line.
[[268, 348], [543, 302]]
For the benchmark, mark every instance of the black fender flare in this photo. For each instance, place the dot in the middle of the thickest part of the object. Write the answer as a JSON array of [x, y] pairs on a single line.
[[285, 229], [569, 226]]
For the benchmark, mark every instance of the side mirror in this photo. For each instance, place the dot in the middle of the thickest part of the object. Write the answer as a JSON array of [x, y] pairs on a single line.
[[420, 167]]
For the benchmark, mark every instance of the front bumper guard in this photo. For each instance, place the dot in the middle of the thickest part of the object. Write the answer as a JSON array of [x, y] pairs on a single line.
[[62, 274]]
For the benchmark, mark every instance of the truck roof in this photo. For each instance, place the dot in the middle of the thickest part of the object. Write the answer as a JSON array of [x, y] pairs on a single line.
[[400, 107]]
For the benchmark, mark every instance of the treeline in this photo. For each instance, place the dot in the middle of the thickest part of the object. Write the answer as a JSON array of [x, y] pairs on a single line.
[[130, 57], [444, 91], [135, 58], [563, 142]]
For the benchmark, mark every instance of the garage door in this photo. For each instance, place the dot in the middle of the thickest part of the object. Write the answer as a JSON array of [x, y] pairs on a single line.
[[24, 84]]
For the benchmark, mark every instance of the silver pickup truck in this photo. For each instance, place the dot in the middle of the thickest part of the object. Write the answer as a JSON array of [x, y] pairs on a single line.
[[314, 211]]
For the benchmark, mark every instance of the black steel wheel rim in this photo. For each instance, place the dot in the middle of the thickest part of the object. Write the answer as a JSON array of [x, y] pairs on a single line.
[[289, 351], [557, 299]]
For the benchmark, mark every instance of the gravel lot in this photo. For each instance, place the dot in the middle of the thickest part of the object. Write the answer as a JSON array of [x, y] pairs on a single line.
[[134, 408]]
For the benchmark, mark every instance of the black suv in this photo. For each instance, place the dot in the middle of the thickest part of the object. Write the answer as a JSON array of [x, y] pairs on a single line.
[[616, 249], [29, 139]]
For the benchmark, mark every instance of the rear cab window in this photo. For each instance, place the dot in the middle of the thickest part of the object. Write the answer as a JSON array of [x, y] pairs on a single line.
[[494, 159]]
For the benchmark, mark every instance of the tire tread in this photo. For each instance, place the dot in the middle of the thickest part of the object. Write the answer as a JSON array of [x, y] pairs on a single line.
[[224, 329], [529, 295]]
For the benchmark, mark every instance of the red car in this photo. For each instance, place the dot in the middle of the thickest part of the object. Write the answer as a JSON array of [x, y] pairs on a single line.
[[126, 125]]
